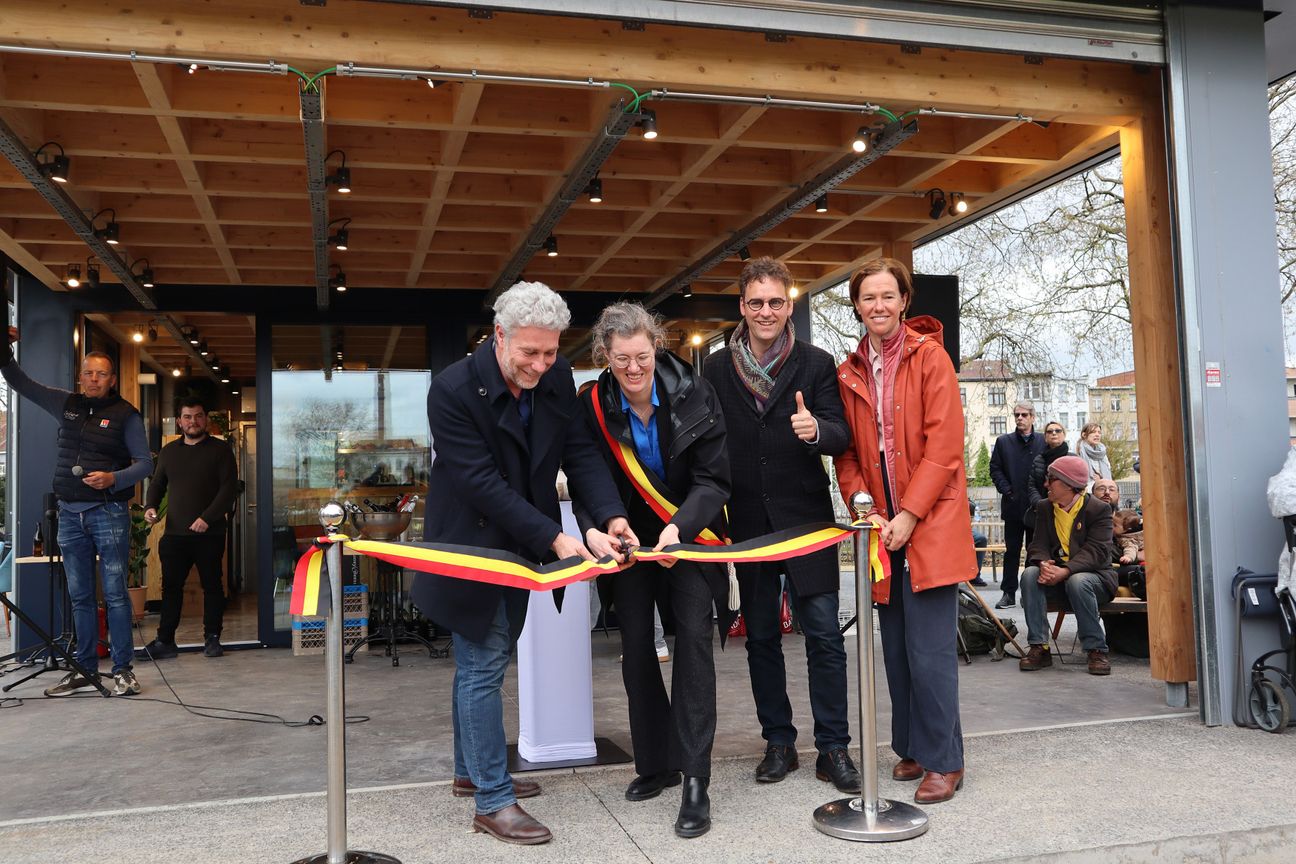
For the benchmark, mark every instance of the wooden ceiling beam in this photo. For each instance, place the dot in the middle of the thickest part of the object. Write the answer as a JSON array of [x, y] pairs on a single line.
[[155, 81]]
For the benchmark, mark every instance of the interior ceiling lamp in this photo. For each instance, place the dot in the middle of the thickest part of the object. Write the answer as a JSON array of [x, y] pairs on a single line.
[[175, 373], [794, 292], [649, 124], [73, 278], [110, 233], [338, 281], [54, 166], [937, 200], [138, 335], [696, 340], [686, 291], [958, 204], [744, 253], [821, 203], [215, 363], [595, 191], [190, 332], [338, 239], [551, 246], [863, 140], [146, 275], [152, 332], [202, 348], [92, 273], [340, 178]]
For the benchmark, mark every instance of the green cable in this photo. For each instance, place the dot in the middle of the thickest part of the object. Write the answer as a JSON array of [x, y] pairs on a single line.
[[300, 74], [631, 89], [893, 118], [311, 83]]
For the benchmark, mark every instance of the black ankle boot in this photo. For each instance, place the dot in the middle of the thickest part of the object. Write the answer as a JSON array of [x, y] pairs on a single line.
[[695, 808]]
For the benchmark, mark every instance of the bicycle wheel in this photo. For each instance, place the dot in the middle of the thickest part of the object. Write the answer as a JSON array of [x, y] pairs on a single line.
[[1269, 708]]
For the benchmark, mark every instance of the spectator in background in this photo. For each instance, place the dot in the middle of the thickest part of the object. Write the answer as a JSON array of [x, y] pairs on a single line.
[[1107, 491], [979, 542], [1010, 467], [1055, 446], [1094, 452]]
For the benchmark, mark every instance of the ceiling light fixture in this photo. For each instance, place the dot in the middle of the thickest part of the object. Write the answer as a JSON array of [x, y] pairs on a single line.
[[937, 200], [649, 124], [175, 373], [863, 140], [56, 166], [138, 336], [687, 291], [696, 340], [146, 275], [340, 178], [152, 332], [338, 239], [73, 279], [215, 363], [225, 380], [190, 332], [338, 282], [91, 273], [595, 191], [202, 348], [744, 253], [821, 203], [794, 292], [958, 203], [551, 246], [110, 233]]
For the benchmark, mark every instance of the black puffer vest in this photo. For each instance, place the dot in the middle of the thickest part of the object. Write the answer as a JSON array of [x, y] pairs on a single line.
[[92, 434]]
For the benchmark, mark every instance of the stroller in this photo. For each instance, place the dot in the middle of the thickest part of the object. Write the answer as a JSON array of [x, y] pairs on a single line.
[[1267, 703]]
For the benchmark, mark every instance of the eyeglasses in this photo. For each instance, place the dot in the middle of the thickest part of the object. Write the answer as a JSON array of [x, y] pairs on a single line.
[[621, 361], [1052, 431], [1020, 414], [756, 304]]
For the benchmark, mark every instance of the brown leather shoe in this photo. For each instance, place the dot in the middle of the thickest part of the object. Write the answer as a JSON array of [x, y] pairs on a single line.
[[906, 769], [937, 787], [462, 787], [1038, 657], [1098, 663], [512, 825]]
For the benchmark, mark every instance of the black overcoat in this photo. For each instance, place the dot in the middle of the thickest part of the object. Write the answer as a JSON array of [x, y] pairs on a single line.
[[779, 480], [691, 427], [492, 484]]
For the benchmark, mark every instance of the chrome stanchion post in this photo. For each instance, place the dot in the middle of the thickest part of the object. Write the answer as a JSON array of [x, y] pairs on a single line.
[[331, 516], [867, 818]]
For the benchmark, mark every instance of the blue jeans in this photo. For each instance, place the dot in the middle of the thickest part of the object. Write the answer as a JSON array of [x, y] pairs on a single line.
[[103, 530], [1080, 593], [477, 710], [825, 662]]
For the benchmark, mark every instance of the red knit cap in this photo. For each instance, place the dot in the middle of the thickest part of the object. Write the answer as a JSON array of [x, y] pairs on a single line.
[[1071, 470]]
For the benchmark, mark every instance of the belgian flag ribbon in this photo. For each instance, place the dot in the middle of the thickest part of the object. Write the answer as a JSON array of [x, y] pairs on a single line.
[[645, 482], [311, 593]]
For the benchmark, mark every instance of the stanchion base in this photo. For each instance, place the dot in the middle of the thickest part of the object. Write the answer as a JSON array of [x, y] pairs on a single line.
[[894, 820], [352, 857]]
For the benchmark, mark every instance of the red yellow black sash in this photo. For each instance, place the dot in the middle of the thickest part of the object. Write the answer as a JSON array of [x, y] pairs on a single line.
[[644, 481], [311, 594]]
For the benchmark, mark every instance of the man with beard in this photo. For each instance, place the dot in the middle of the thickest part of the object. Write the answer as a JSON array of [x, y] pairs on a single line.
[[199, 473], [503, 419], [783, 414], [1108, 492]]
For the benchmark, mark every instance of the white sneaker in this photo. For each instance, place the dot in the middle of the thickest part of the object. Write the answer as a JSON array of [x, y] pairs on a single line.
[[125, 683]]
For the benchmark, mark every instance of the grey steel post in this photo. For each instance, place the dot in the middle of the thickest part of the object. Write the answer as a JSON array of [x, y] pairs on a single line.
[[331, 516], [867, 818]]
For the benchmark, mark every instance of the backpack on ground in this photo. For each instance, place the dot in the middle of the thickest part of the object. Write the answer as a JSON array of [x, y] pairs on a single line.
[[977, 633]]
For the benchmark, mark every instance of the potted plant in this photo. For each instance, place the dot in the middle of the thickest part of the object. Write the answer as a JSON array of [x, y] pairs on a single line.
[[137, 564]]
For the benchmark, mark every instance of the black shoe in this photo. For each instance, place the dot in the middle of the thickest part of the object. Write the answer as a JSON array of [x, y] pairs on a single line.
[[979, 582], [646, 786], [836, 767], [1007, 601], [212, 647], [159, 650], [779, 760], [695, 808]]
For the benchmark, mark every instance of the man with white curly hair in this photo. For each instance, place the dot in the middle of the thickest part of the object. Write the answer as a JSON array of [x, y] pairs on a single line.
[[503, 420]]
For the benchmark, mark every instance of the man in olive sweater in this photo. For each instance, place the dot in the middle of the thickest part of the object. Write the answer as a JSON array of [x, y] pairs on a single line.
[[199, 473]]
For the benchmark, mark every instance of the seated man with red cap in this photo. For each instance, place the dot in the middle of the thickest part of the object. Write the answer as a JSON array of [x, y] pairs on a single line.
[[1070, 560]]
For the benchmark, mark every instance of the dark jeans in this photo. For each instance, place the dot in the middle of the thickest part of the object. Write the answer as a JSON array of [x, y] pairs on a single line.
[[919, 650], [672, 734], [1015, 535], [179, 553], [979, 540], [825, 660]]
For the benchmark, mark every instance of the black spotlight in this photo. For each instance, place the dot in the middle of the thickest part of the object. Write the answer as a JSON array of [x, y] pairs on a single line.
[[595, 191], [551, 246], [56, 166], [340, 178], [821, 203], [92, 273], [110, 233], [649, 124], [958, 203], [744, 253], [73, 279], [152, 333], [338, 239], [202, 348], [145, 276], [862, 140], [937, 199], [686, 291], [338, 281]]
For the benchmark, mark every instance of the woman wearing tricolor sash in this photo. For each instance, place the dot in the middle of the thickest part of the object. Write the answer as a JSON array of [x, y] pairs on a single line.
[[661, 430], [902, 404]]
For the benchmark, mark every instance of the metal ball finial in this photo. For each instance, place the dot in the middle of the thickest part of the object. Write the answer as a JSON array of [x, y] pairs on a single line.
[[861, 502], [331, 515]]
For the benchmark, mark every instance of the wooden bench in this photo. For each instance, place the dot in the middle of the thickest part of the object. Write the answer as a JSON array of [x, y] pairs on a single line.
[[994, 552], [1117, 606]]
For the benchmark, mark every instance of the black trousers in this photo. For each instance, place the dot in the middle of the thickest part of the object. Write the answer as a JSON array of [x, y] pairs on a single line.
[[672, 734], [1016, 535], [179, 553]]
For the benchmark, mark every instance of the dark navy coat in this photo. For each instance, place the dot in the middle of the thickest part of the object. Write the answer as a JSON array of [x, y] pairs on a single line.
[[492, 483]]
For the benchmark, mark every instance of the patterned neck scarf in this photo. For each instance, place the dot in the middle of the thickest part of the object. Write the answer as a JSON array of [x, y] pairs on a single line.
[[758, 373]]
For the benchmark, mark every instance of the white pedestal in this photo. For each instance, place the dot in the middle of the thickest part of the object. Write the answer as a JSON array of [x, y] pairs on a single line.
[[555, 683]]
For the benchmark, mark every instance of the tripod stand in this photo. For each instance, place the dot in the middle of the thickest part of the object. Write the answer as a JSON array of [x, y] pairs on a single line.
[[57, 657]]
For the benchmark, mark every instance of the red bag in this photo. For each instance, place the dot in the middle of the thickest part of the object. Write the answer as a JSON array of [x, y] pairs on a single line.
[[102, 650], [738, 627], [785, 615]]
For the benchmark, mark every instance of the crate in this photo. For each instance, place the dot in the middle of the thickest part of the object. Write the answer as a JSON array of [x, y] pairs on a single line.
[[308, 630]]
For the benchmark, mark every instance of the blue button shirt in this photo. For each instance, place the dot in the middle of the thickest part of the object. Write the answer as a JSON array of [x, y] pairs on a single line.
[[645, 436]]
